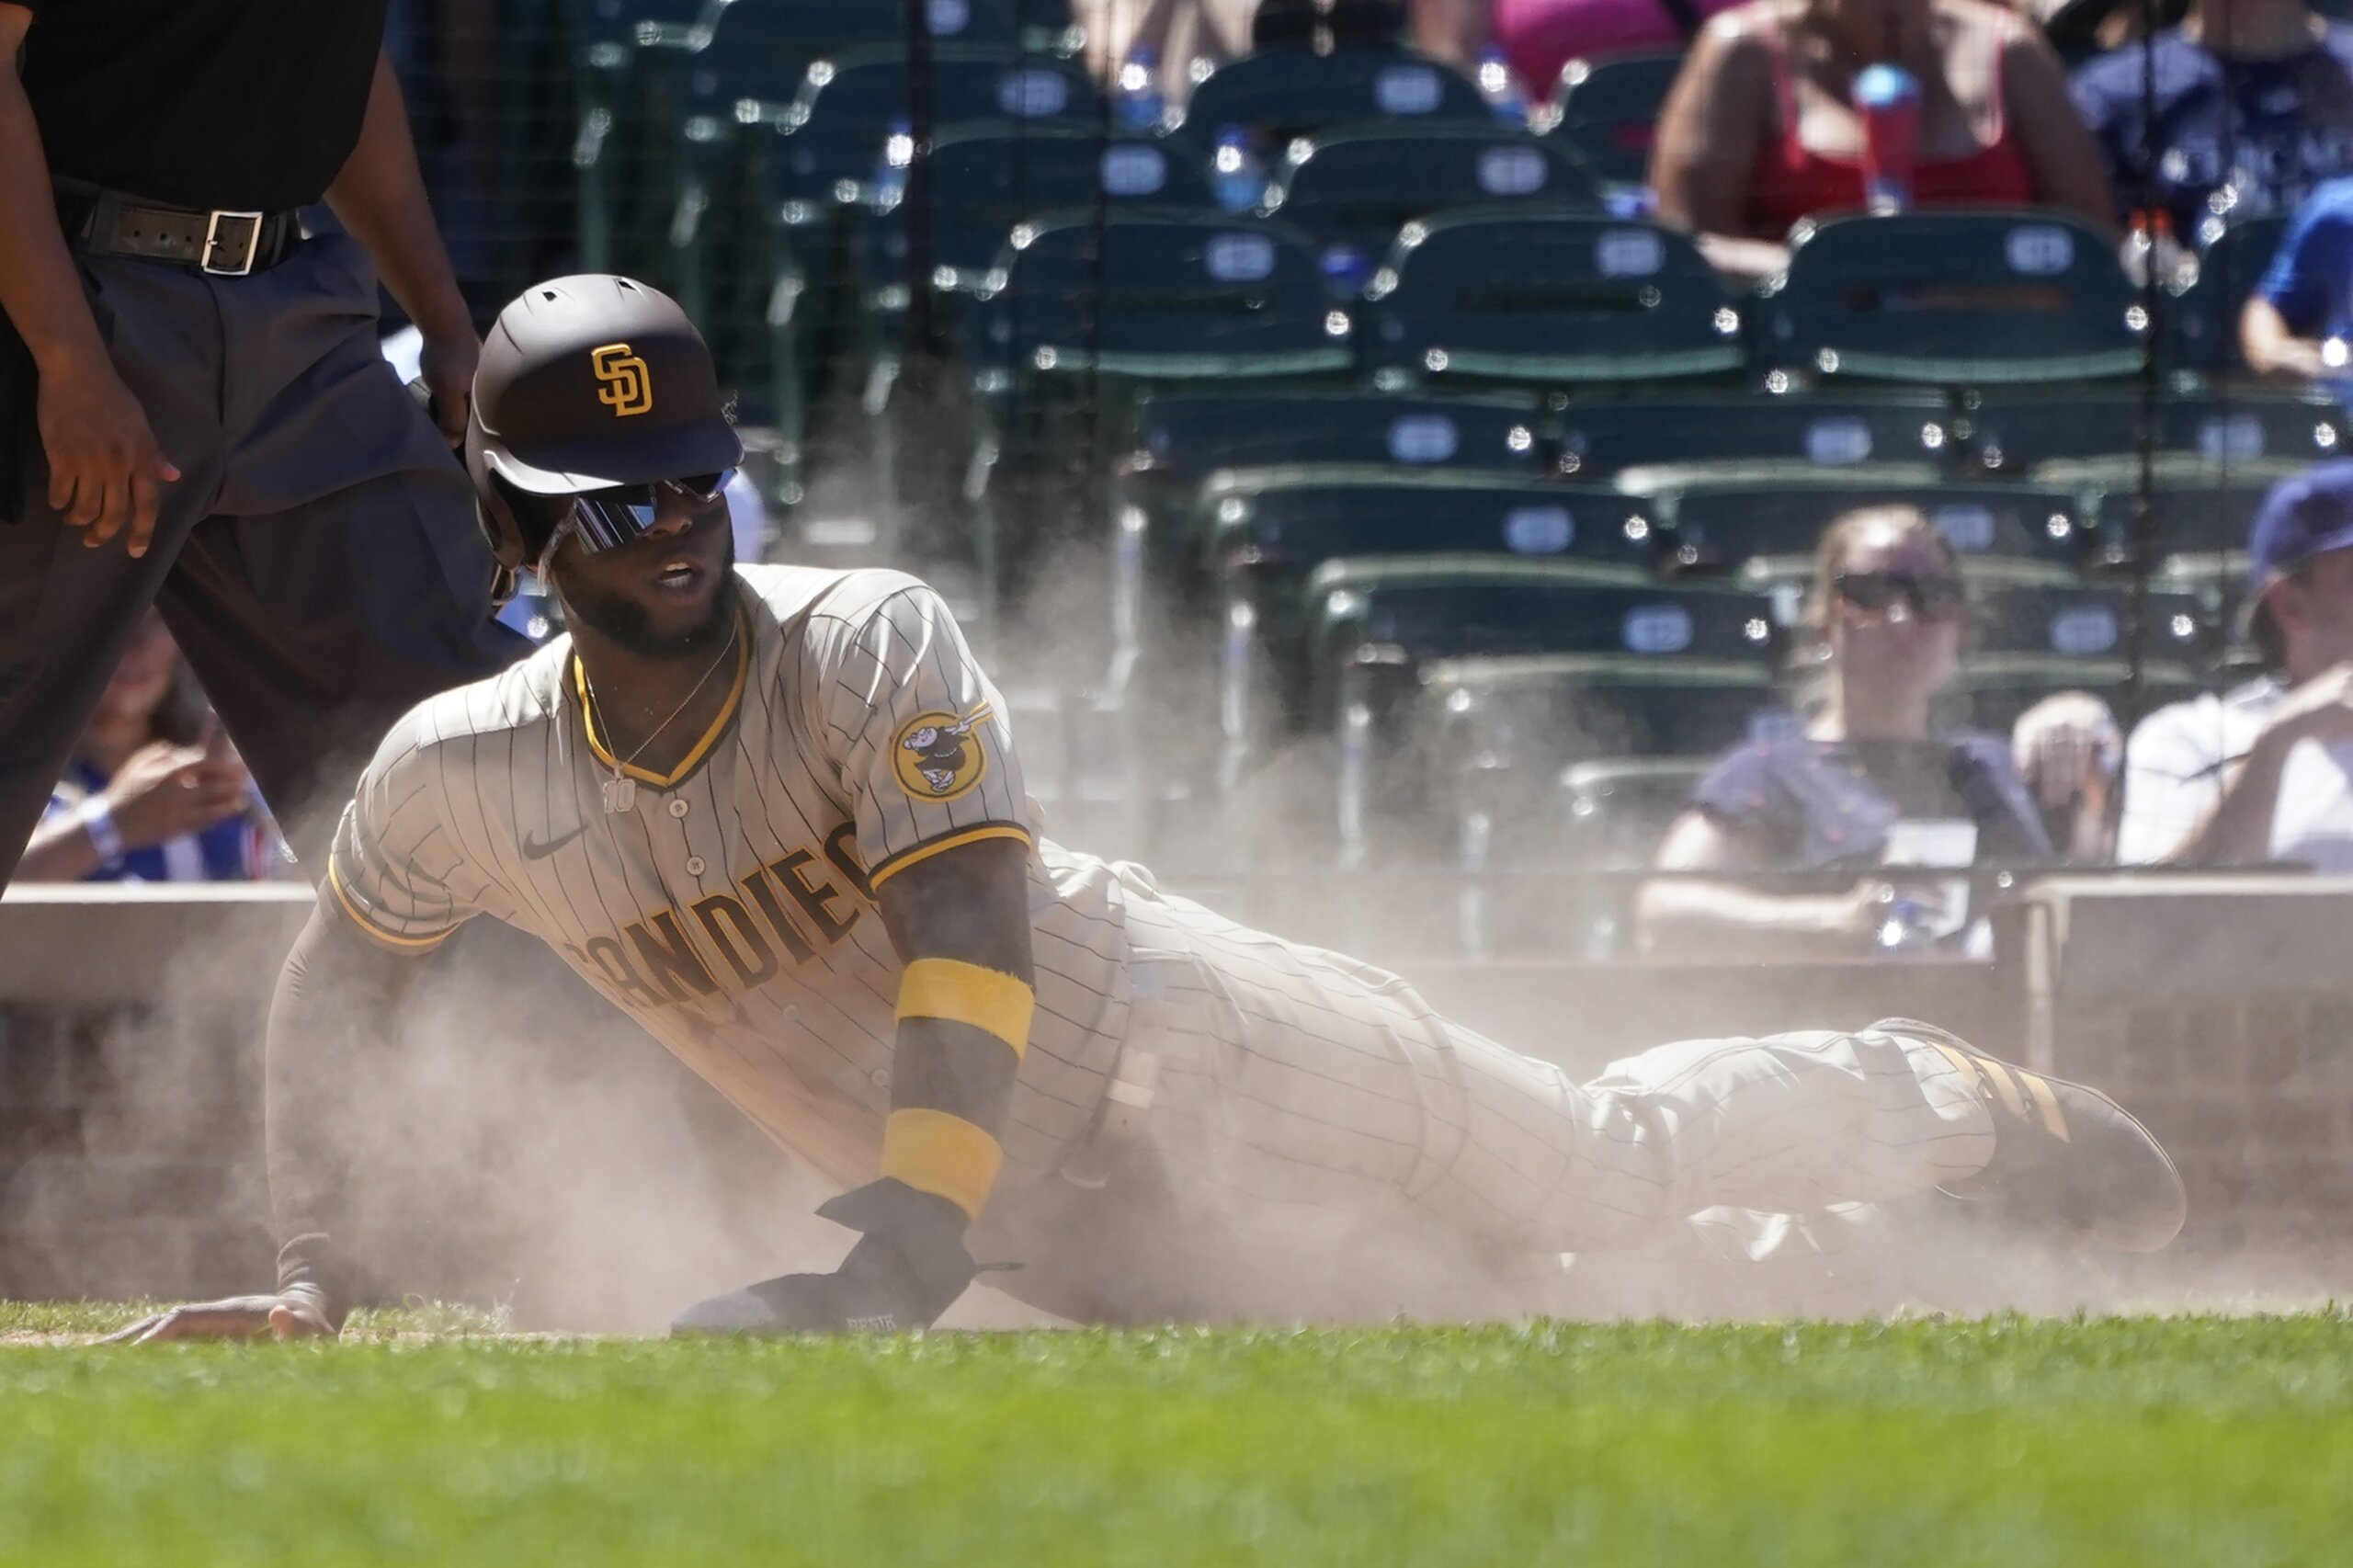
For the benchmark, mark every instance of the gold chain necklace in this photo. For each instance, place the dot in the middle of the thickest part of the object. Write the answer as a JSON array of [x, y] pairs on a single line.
[[621, 790]]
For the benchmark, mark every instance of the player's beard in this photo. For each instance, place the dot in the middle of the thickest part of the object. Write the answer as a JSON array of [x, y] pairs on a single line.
[[630, 625]]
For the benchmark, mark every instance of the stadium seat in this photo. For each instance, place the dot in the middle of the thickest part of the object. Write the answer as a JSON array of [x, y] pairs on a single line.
[[1400, 614], [2190, 514], [1352, 189], [827, 148], [626, 49], [1375, 625], [1954, 297], [1548, 300], [1606, 110], [1658, 443], [2203, 333], [2093, 437], [1496, 739], [1277, 94], [1085, 311], [747, 80], [1721, 523], [1262, 532], [1183, 434], [987, 178]]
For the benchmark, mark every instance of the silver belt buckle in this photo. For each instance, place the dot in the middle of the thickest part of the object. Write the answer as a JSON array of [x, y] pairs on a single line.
[[253, 221]]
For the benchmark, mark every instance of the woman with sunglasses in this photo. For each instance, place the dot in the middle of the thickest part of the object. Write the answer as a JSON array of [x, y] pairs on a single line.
[[1866, 773]]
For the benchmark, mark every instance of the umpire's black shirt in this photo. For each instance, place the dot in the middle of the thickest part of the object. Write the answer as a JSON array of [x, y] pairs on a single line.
[[248, 105]]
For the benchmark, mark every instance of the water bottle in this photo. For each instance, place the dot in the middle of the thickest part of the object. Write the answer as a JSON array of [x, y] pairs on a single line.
[[891, 171], [1138, 104], [1501, 88], [1237, 177], [1888, 100]]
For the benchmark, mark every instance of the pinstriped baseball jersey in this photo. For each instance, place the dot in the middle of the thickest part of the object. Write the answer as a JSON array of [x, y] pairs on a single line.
[[730, 908]]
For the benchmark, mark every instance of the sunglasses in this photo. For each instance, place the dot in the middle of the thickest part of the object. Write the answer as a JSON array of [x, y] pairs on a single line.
[[609, 519], [1934, 597]]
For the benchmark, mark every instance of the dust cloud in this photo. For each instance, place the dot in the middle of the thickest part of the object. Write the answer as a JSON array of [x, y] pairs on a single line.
[[518, 1144]]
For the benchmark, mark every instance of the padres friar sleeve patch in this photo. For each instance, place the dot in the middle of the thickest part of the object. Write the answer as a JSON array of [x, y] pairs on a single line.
[[937, 755]]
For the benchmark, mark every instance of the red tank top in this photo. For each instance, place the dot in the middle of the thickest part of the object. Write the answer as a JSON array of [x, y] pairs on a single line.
[[1793, 182]]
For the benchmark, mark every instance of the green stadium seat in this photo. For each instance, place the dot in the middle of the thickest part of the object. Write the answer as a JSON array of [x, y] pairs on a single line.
[[1955, 297], [1262, 532], [1496, 738], [1352, 189], [1548, 300], [987, 178], [2189, 513], [2093, 437], [1277, 94], [2204, 326], [1375, 625], [1658, 443], [1606, 110], [1721, 523], [1185, 434], [746, 79], [819, 163], [1402, 614], [1085, 311], [626, 49]]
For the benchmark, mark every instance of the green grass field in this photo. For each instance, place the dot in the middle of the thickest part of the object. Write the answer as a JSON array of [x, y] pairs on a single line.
[[2005, 1441]]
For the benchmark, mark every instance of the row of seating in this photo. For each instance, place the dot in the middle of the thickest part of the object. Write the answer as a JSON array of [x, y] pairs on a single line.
[[1432, 464]]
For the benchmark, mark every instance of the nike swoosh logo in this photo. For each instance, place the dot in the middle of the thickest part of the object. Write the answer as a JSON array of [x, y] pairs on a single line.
[[545, 847]]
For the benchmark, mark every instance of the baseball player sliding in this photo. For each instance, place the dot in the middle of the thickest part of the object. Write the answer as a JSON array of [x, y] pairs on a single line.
[[776, 814]]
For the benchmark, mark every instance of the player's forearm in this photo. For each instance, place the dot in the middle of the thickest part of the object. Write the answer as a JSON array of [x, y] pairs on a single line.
[[60, 851], [1722, 919], [39, 288], [379, 196], [334, 1001]]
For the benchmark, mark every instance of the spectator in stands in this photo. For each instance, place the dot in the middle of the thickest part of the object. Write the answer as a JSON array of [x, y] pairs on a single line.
[[1868, 765], [2264, 772], [1539, 36], [2297, 322], [153, 792], [1761, 130], [2254, 107]]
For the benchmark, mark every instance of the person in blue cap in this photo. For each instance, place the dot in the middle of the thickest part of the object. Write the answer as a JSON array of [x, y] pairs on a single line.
[[2265, 773], [2297, 323]]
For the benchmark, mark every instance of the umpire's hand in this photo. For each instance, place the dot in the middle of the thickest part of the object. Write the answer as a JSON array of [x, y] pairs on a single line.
[[294, 1316], [446, 365], [104, 464]]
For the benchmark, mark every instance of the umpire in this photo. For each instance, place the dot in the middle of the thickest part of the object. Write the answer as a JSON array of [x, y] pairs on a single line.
[[193, 410]]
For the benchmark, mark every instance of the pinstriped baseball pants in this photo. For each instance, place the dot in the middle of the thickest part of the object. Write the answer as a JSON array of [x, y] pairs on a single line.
[[1288, 1083]]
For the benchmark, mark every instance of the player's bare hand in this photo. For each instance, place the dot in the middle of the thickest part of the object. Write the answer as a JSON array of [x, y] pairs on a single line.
[[165, 790], [105, 466], [446, 365], [232, 1317]]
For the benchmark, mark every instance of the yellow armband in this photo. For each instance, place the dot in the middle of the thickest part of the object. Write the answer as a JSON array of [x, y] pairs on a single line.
[[942, 1154], [986, 999]]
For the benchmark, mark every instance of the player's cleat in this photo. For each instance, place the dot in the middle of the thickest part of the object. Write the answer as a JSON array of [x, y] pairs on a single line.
[[2063, 1155]]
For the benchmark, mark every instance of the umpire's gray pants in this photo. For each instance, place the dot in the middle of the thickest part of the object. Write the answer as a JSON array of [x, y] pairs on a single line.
[[317, 561]]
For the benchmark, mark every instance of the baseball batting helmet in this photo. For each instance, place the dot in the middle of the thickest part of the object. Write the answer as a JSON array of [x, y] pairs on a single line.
[[593, 392]]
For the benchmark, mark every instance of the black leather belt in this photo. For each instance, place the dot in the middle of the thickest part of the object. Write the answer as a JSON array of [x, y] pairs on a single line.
[[224, 244]]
